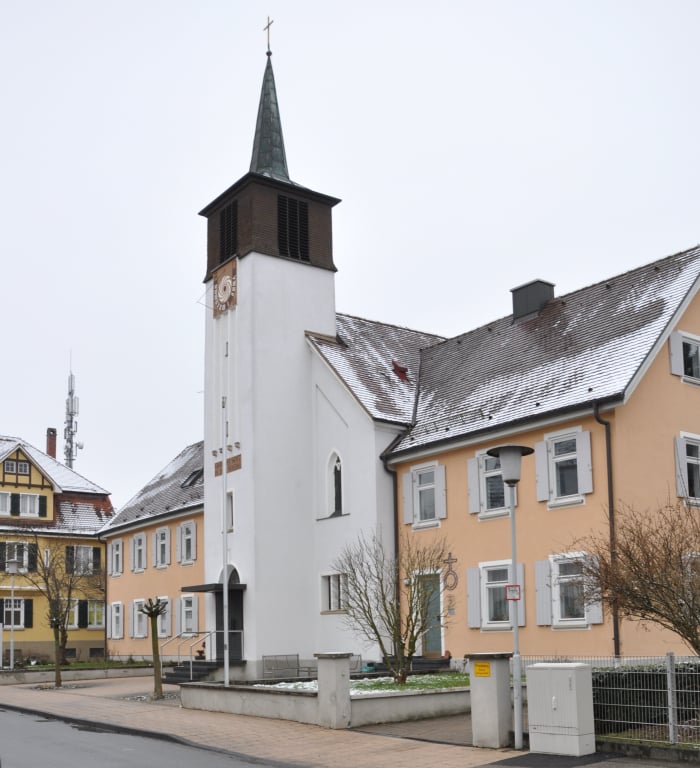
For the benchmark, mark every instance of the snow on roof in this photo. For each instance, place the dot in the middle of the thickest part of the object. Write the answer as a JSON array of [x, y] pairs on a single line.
[[177, 486], [579, 349], [63, 478], [378, 363]]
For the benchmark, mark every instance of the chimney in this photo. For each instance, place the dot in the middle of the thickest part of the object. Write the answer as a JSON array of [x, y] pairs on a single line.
[[51, 442], [531, 297]]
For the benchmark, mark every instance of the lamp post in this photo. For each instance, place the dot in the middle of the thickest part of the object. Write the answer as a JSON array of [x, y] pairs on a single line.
[[12, 567], [511, 459]]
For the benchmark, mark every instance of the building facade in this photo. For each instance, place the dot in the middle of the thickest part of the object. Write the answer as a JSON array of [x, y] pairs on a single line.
[[49, 519], [155, 550]]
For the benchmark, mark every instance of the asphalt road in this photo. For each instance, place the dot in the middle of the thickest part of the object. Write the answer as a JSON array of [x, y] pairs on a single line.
[[28, 741]]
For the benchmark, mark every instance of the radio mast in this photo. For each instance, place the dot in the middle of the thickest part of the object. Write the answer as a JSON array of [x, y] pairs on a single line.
[[71, 425]]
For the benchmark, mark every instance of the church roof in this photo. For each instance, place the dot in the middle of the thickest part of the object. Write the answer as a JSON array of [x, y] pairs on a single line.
[[179, 486], [269, 158], [587, 347], [378, 363]]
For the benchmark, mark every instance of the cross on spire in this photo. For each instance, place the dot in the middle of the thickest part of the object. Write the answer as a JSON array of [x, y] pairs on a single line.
[[266, 28]]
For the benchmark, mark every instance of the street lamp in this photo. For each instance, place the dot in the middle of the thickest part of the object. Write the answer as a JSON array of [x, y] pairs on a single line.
[[12, 567], [511, 458]]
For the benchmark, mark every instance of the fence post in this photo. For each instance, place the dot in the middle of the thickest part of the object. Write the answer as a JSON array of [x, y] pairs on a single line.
[[671, 691]]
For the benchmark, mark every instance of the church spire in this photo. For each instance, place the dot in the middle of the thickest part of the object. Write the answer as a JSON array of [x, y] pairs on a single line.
[[269, 158]]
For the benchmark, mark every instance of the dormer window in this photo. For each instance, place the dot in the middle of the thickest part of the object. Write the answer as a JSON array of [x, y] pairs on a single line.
[[293, 228]]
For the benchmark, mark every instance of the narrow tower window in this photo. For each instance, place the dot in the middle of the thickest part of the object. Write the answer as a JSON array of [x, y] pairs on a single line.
[[335, 486], [228, 235], [293, 228]]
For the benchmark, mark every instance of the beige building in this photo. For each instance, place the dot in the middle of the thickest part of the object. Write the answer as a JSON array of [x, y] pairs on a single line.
[[604, 385], [154, 550]]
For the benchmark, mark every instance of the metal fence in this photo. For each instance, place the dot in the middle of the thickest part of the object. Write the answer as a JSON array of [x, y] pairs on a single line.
[[643, 699]]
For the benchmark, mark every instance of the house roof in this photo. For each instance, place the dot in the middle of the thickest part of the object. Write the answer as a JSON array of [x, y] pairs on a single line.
[[64, 478], [585, 347], [378, 362], [178, 486]]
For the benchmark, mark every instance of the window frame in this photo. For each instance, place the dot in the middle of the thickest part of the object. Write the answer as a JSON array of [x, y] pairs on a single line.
[[165, 620], [558, 621], [334, 590], [139, 620], [546, 467], [677, 355], [10, 466], [187, 604], [187, 531], [116, 557], [411, 495], [138, 553], [682, 463], [18, 606], [116, 620], [24, 500], [96, 613], [477, 475], [161, 548], [548, 597], [477, 597]]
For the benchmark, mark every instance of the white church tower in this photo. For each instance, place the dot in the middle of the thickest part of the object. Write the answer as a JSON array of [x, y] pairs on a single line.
[[269, 281]]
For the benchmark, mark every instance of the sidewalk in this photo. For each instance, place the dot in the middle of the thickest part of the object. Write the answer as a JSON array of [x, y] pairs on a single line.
[[123, 704]]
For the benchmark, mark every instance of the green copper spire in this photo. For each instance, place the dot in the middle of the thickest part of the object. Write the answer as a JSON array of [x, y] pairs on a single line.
[[269, 158]]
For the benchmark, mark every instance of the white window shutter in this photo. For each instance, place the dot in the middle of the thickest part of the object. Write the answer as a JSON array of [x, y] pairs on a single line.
[[109, 559], [594, 612], [193, 528], [407, 497], [681, 468], [132, 558], [178, 616], [195, 613], [543, 592], [178, 543], [675, 349], [584, 463], [154, 549], [542, 471], [473, 598], [521, 603], [108, 623], [132, 619], [473, 486], [440, 493], [167, 546]]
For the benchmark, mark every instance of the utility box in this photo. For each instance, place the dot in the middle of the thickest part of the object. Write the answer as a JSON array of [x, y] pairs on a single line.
[[492, 712], [560, 709]]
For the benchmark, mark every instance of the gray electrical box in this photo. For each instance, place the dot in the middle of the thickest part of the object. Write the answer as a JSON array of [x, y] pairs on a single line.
[[560, 709]]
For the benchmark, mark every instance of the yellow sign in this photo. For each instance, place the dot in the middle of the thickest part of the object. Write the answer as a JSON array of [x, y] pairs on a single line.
[[482, 669]]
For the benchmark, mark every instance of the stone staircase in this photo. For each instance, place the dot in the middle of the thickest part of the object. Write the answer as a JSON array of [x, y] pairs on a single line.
[[180, 673]]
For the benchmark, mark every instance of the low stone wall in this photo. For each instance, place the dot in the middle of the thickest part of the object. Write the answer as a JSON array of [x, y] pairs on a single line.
[[38, 676], [332, 706]]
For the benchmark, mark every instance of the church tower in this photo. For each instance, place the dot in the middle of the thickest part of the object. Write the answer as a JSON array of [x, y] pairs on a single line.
[[269, 281]]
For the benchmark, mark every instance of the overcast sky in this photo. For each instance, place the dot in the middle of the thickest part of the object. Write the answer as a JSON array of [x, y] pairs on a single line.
[[476, 145]]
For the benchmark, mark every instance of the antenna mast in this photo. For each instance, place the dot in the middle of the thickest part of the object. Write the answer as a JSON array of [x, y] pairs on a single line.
[[70, 450]]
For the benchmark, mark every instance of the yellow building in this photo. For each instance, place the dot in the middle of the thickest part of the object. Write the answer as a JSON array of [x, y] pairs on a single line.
[[155, 550], [48, 510], [604, 385]]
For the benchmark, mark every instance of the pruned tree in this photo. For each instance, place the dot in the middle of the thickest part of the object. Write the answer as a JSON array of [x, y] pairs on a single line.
[[64, 575], [652, 571], [390, 600], [153, 609]]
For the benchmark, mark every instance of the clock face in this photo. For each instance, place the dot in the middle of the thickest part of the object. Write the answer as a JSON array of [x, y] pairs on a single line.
[[225, 285]]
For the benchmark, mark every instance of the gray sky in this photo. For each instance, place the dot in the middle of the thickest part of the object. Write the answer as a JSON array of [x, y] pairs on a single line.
[[476, 145]]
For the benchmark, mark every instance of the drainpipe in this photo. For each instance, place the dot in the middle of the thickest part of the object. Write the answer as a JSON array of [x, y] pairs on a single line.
[[611, 521]]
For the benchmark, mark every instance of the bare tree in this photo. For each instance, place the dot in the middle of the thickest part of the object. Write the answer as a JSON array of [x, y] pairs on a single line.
[[65, 575], [153, 609], [393, 601], [652, 571]]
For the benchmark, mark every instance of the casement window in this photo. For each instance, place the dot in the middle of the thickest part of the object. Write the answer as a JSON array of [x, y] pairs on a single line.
[[560, 595], [187, 615], [165, 619], [334, 485], [72, 620], [486, 490], [25, 553], [293, 228], [95, 614], [115, 628], [19, 615], [23, 504], [687, 455], [487, 606], [334, 589], [187, 543], [563, 468], [115, 557], [139, 620], [424, 502], [10, 466], [138, 552], [83, 560], [5, 503], [161, 548], [684, 351]]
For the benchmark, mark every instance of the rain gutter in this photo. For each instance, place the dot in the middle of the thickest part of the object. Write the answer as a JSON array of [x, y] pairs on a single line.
[[611, 520]]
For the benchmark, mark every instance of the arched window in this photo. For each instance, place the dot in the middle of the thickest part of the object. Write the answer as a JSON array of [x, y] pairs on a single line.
[[335, 486]]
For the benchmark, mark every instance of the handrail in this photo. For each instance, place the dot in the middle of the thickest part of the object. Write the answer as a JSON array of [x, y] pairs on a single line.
[[184, 636]]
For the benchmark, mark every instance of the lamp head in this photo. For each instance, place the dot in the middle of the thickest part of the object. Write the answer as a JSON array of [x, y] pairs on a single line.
[[510, 456]]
